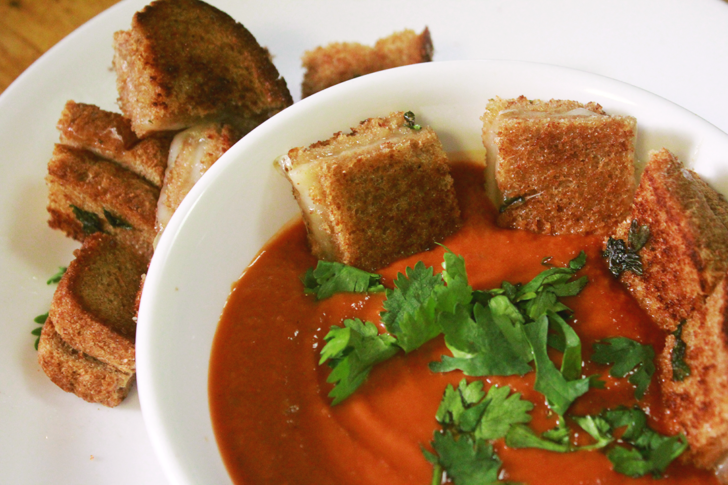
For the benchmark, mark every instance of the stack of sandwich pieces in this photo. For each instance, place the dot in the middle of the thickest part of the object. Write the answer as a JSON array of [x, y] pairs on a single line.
[[191, 82]]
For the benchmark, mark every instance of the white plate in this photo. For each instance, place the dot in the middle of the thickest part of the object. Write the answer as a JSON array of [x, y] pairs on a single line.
[[674, 49], [243, 201]]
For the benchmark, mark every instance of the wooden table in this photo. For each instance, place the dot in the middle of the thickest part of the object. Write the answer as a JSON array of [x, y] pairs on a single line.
[[28, 28]]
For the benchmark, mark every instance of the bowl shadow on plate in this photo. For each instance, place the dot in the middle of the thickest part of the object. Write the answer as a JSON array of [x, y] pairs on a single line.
[[30, 238]]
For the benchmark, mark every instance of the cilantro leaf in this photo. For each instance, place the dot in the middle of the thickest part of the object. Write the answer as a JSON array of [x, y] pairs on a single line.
[[502, 412], [521, 436], [352, 351], [559, 391], [410, 307], [467, 461], [331, 277], [651, 452], [56, 278], [598, 428], [478, 345], [627, 356], [456, 400]]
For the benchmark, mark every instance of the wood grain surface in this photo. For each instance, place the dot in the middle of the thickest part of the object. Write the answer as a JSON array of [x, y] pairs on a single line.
[[28, 28]]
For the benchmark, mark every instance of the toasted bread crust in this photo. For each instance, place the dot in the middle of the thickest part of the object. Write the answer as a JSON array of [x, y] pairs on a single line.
[[687, 253], [699, 403], [387, 189], [184, 62], [93, 306], [570, 173], [193, 152], [109, 135], [78, 178], [341, 61], [76, 372]]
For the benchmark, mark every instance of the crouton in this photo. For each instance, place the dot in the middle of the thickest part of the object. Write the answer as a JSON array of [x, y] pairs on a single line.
[[341, 61], [88, 194], [375, 195], [76, 372], [561, 167], [94, 306], [687, 251], [184, 62], [109, 135], [694, 379]]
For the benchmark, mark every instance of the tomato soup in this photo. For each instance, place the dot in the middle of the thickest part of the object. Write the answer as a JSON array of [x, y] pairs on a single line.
[[274, 422]]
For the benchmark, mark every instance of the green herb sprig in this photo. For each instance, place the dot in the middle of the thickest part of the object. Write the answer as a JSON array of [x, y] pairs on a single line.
[[41, 319]]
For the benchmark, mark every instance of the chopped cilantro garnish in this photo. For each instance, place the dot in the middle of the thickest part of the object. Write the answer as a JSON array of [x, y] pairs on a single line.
[[627, 356], [466, 460], [330, 277], [90, 222], [680, 368], [56, 278], [558, 390], [470, 419], [410, 308], [41, 319], [650, 451], [351, 352], [116, 221]]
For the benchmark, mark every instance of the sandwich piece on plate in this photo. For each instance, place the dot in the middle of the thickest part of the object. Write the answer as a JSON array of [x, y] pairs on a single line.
[[377, 194], [87, 343], [94, 306], [686, 253], [79, 373], [561, 167], [340, 61], [184, 62], [88, 194], [109, 135], [694, 379], [192, 153]]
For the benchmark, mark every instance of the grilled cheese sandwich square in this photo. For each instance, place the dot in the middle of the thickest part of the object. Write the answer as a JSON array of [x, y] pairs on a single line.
[[185, 62], [561, 167], [377, 194]]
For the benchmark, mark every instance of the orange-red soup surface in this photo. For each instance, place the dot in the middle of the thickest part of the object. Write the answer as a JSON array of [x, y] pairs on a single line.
[[274, 423]]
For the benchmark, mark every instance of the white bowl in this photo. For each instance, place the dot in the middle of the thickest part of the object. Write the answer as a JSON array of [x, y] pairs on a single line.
[[242, 202]]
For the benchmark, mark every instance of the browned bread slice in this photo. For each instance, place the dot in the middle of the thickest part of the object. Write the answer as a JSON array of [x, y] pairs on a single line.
[[94, 306], [560, 166], [109, 135], [88, 194], [687, 252], [341, 61], [698, 398], [73, 371], [193, 152], [377, 194], [184, 62]]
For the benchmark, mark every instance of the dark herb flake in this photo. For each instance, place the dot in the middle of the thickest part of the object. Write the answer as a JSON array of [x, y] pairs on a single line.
[[90, 222], [116, 221], [680, 368], [623, 256], [409, 119], [511, 202]]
